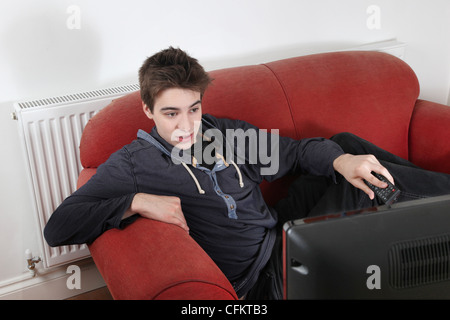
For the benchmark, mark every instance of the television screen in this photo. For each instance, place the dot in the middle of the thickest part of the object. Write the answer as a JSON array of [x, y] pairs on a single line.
[[396, 252]]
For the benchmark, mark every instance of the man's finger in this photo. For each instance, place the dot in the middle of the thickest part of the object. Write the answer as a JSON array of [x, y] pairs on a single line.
[[361, 185], [378, 183]]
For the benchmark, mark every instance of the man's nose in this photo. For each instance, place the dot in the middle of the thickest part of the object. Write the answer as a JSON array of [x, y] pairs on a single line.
[[184, 123]]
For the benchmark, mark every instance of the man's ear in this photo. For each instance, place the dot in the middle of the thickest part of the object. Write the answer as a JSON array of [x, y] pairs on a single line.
[[147, 111]]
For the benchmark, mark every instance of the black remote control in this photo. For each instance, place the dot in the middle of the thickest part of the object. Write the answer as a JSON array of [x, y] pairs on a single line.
[[387, 195]]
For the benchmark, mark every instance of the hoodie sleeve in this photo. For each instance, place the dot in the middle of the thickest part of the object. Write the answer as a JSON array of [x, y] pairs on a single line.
[[275, 156], [97, 206], [311, 155]]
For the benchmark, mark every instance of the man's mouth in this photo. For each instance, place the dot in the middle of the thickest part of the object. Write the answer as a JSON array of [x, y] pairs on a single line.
[[186, 138]]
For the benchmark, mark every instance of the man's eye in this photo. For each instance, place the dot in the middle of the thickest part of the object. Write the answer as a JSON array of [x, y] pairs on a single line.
[[171, 115], [193, 110]]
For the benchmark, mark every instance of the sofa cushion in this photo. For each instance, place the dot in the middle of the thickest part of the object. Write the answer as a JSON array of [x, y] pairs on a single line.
[[252, 94], [113, 127], [370, 94]]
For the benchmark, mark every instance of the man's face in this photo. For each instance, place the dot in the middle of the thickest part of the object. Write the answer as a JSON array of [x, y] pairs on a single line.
[[177, 114]]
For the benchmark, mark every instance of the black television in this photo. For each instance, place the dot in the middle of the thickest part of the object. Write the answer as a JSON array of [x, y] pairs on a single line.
[[400, 251]]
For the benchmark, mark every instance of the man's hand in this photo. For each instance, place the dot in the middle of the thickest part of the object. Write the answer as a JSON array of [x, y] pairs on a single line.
[[356, 168], [162, 208]]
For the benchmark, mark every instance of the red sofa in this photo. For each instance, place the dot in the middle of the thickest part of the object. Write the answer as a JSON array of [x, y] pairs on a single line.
[[371, 94]]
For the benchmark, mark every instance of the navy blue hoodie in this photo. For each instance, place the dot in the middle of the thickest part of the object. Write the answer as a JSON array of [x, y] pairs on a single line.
[[223, 207]]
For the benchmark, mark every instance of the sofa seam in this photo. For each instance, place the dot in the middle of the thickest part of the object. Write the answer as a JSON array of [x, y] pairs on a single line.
[[286, 97], [188, 281]]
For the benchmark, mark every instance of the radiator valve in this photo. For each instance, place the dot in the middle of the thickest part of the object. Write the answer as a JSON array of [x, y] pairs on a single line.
[[31, 261]]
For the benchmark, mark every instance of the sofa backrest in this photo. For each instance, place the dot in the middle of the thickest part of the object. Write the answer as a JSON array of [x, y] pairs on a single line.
[[370, 94]]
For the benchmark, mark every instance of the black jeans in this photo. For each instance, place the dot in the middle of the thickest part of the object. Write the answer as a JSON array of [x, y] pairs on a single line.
[[312, 195]]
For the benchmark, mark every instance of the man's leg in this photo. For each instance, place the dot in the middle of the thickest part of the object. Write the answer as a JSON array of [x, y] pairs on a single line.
[[303, 195], [353, 144], [413, 181], [342, 197], [312, 196]]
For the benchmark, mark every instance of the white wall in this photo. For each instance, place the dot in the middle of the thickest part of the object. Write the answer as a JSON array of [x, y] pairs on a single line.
[[40, 56]]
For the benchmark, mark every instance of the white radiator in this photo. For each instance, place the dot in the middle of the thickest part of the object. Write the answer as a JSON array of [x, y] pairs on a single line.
[[50, 130]]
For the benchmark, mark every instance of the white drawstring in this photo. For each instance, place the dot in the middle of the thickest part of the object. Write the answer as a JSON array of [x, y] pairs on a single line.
[[241, 182], [200, 190]]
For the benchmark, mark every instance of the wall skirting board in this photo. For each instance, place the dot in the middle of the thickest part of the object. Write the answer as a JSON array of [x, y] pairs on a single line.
[[52, 284]]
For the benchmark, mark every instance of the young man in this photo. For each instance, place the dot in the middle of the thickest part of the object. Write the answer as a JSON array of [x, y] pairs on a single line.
[[183, 172]]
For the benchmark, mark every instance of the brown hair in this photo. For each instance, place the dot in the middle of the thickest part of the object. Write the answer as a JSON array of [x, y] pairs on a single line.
[[170, 68]]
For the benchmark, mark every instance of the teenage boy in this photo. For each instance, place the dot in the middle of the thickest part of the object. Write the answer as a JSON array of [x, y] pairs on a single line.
[[161, 176]]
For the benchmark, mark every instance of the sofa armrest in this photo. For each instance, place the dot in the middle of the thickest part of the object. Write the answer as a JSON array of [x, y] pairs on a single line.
[[154, 260], [429, 136]]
